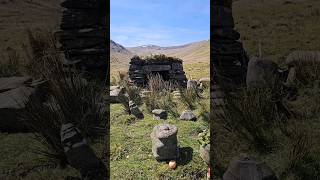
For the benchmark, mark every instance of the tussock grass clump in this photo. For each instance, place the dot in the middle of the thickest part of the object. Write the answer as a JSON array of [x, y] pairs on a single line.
[[190, 97], [71, 99], [160, 96], [11, 67], [252, 115]]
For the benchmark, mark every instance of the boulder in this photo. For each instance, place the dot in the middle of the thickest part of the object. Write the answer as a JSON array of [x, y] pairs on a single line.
[[188, 115], [261, 73], [134, 110], [116, 94], [12, 105], [247, 167], [9, 83], [204, 82], [80, 155], [159, 114], [192, 84], [164, 142]]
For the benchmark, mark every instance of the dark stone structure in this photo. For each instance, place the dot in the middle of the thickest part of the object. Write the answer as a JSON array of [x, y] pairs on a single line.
[[229, 60], [170, 69], [83, 36]]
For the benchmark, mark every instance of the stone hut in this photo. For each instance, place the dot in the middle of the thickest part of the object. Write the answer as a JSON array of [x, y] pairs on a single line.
[[169, 68]]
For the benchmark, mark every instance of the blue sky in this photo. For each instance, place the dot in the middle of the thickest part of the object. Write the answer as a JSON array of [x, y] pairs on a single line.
[[159, 22]]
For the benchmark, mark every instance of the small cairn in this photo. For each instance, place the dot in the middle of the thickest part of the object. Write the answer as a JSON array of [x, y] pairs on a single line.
[[164, 142]]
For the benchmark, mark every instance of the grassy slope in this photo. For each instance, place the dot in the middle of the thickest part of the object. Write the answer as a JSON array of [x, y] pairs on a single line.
[[131, 156], [281, 26], [16, 16]]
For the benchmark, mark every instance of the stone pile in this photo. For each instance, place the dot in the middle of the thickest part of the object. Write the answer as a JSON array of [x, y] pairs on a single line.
[[83, 36], [164, 142], [170, 69]]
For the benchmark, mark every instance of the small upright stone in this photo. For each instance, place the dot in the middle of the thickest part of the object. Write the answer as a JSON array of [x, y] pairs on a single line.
[[164, 142], [159, 114], [134, 109], [188, 115]]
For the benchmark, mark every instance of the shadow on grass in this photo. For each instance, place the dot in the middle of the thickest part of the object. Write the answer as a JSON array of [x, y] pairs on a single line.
[[186, 154]]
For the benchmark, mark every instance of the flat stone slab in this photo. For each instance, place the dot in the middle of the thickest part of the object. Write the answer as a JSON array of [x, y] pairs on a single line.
[[16, 98], [188, 116], [13, 82]]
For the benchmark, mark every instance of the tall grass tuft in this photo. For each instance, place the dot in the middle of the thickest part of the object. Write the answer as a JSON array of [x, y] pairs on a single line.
[[160, 96], [252, 115], [71, 100], [11, 67]]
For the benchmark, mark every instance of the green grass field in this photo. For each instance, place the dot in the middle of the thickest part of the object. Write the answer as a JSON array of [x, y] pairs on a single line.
[[131, 156]]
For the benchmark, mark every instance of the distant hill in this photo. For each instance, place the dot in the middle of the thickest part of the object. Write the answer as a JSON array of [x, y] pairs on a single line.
[[189, 53], [119, 56]]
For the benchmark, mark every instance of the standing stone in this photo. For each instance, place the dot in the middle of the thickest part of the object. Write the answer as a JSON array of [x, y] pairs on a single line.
[[159, 114], [261, 73], [80, 155], [164, 142], [188, 116], [246, 167], [134, 110]]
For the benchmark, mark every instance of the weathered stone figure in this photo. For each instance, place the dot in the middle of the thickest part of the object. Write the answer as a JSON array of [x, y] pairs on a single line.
[[164, 142]]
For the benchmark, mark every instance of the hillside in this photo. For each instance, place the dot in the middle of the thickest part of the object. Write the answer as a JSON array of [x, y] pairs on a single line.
[[196, 56], [190, 53], [16, 16], [119, 56], [280, 26]]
